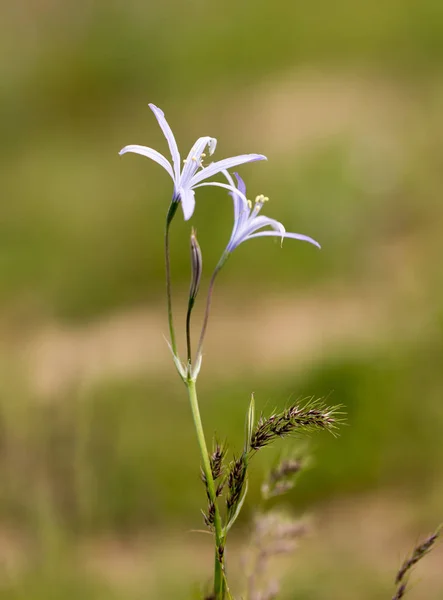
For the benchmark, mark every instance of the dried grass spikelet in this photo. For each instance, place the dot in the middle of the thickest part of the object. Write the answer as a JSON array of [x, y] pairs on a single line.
[[314, 415], [236, 481], [216, 460], [274, 533], [282, 477], [419, 552]]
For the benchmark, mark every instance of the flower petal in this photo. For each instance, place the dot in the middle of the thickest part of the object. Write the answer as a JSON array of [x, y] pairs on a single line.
[[150, 153], [256, 223], [187, 199], [160, 116], [226, 163], [193, 161], [248, 228], [222, 185], [241, 206], [212, 145], [295, 236], [240, 184]]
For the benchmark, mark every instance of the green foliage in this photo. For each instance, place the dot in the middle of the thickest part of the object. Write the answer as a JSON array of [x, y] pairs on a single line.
[[126, 460], [81, 227]]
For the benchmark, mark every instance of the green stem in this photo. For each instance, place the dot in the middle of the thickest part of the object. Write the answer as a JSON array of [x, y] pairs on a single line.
[[219, 578], [221, 262], [171, 212]]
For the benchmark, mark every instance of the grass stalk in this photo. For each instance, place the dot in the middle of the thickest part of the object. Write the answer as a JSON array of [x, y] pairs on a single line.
[[219, 577]]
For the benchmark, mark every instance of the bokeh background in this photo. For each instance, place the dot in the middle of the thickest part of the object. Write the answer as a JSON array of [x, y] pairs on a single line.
[[98, 462]]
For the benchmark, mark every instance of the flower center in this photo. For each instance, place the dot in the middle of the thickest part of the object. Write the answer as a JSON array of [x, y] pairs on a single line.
[[197, 161], [259, 201]]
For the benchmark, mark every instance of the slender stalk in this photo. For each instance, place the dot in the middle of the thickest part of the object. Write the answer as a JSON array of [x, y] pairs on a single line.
[[171, 212], [207, 310], [221, 262], [219, 578]]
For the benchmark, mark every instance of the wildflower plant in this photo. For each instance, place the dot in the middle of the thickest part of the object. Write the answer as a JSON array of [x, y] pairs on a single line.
[[189, 177], [225, 477]]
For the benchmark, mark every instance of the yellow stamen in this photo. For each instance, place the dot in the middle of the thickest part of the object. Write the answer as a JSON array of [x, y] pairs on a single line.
[[261, 199], [249, 204]]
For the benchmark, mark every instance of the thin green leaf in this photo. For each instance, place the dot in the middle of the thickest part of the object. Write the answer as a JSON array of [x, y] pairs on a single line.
[[250, 420]]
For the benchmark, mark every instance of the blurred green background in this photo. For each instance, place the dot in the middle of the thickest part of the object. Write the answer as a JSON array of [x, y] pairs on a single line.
[[98, 462]]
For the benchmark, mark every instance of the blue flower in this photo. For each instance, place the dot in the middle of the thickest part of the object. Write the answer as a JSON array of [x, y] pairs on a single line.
[[248, 223], [189, 177]]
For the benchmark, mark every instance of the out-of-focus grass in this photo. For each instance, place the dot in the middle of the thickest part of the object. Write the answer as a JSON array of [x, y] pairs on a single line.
[[352, 558], [77, 240], [81, 229], [122, 456]]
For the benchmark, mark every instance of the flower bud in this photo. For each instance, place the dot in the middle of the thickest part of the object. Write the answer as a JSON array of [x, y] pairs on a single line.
[[196, 267]]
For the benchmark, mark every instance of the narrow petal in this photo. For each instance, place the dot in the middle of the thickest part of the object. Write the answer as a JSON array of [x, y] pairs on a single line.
[[222, 185], [240, 184], [187, 198], [239, 203], [160, 116], [252, 224], [233, 191], [241, 207], [150, 153], [257, 223], [295, 236], [226, 163], [212, 145], [193, 161]]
